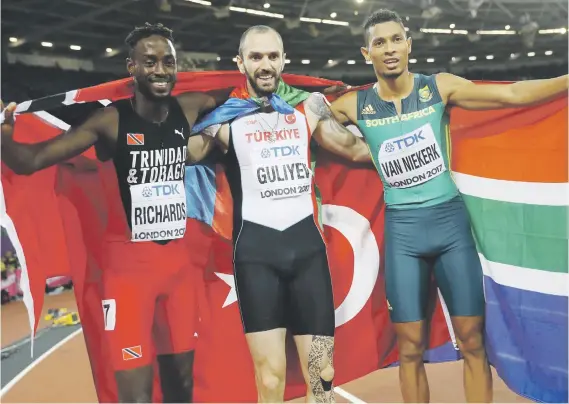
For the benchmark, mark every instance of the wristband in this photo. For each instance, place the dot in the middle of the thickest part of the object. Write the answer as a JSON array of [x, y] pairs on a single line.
[[212, 130]]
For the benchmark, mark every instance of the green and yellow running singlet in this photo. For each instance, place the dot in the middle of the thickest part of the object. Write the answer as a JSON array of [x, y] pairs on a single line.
[[411, 152]]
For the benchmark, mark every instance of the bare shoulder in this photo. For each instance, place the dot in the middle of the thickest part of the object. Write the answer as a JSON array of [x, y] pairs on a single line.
[[194, 100], [444, 77], [447, 83], [347, 100], [104, 121], [344, 107]]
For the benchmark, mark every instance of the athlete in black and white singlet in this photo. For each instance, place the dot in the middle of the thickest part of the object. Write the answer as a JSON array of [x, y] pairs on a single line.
[[281, 268], [150, 168]]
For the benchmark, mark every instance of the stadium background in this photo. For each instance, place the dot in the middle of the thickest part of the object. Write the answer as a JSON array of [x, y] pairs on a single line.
[[52, 47]]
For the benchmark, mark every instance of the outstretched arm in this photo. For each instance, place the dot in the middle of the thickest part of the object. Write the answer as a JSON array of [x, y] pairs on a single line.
[[25, 159], [332, 135], [468, 95]]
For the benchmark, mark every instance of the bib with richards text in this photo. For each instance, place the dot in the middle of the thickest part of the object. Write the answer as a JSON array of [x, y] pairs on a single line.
[[411, 159], [158, 211]]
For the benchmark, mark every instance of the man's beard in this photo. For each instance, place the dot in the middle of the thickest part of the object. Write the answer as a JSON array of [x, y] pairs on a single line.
[[392, 75], [260, 91]]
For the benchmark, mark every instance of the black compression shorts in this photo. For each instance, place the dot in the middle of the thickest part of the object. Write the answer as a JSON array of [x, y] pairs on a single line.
[[298, 298]]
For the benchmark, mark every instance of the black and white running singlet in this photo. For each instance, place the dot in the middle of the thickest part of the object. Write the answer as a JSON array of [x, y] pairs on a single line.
[[269, 173], [150, 169]]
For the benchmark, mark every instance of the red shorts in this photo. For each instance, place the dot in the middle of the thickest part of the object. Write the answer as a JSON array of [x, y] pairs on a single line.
[[150, 296]]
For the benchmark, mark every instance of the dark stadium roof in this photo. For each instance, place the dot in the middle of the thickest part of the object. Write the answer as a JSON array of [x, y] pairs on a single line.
[[205, 30]]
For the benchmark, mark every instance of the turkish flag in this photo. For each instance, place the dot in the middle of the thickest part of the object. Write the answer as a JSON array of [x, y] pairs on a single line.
[[353, 219]]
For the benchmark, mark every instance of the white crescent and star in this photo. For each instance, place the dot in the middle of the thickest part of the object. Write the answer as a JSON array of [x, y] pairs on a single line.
[[357, 230]]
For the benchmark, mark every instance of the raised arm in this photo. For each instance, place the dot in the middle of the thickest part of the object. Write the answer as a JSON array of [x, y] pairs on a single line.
[[468, 95], [195, 106], [331, 134], [25, 158]]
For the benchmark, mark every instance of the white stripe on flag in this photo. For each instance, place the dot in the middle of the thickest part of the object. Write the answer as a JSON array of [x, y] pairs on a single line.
[[49, 118], [448, 320], [533, 193], [70, 98], [23, 106], [533, 280], [24, 279]]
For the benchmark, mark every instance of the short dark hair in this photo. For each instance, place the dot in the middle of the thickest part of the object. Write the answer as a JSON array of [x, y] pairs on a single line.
[[261, 29], [378, 17], [145, 31]]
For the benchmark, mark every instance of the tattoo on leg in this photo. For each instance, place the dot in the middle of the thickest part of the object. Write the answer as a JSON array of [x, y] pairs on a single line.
[[322, 389]]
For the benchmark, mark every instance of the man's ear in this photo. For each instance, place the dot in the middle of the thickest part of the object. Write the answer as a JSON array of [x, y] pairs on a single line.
[[283, 63], [130, 66], [240, 64], [365, 53]]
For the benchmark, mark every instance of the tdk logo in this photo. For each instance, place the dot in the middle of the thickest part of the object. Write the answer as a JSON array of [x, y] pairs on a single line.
[[281, 151], [160, 190], [405, 142]]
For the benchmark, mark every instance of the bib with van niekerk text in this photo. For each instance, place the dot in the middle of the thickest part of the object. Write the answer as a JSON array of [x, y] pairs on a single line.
[[411, 159], [280, 170], [158, 211]]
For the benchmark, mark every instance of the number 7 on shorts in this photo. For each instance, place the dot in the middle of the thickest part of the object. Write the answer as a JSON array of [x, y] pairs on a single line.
[[110, 313]]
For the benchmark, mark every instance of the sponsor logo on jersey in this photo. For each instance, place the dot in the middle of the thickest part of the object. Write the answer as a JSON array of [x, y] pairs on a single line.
[[368, 110], [135, 139], [404, 142], [161, 190], [280, 151], [180, 132]]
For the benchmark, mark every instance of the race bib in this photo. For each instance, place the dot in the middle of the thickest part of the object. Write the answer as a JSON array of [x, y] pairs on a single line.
[[411, 159], [281, 171], [158, 211]]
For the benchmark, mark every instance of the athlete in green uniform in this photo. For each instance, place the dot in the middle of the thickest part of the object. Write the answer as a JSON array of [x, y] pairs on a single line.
[[404, 118]]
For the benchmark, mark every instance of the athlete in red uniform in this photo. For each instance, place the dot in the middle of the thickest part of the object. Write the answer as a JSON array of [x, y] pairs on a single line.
[[149, 303]]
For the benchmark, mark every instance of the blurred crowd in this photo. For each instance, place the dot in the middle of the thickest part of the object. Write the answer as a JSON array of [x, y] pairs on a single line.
[[9, 263]]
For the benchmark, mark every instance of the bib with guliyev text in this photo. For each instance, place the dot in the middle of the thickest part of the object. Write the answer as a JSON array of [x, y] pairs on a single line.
[[158, 211], [411, 159], [280, 170]]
